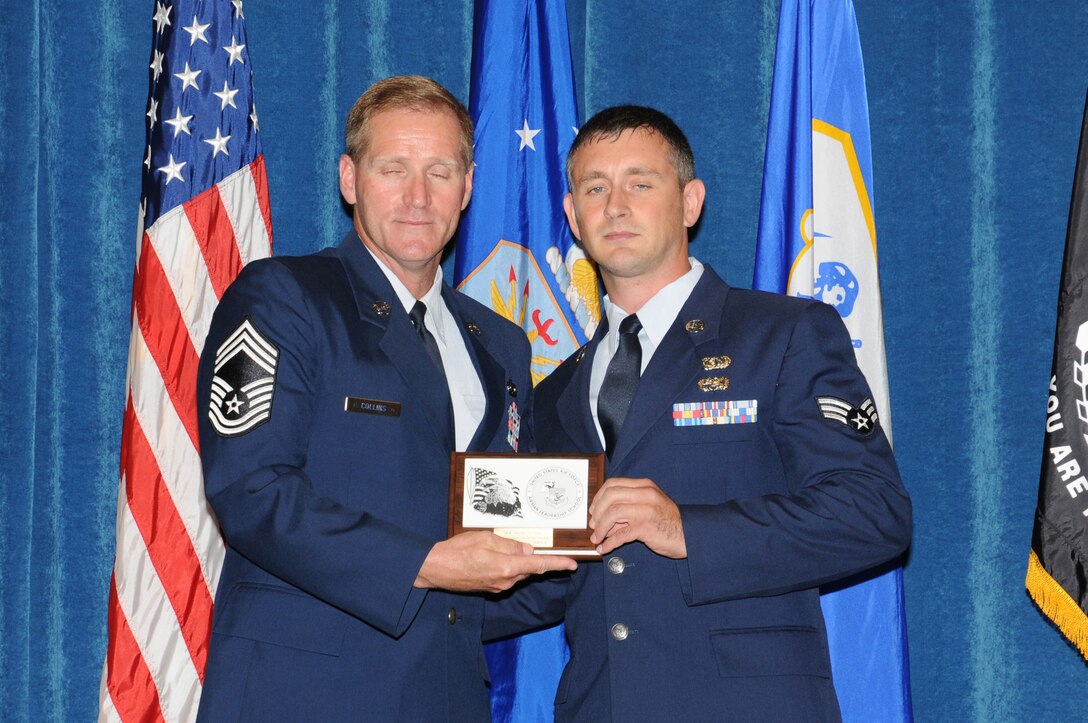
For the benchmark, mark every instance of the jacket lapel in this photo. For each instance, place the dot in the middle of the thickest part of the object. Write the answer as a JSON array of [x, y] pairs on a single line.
[[573, 402], [675, 363], [378, 304]]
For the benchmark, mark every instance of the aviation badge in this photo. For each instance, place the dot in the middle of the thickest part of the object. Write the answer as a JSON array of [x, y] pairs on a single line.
[[862, 418], [244, 380]]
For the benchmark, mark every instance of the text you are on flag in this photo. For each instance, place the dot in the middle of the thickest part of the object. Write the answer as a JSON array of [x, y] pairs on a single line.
[[1057, 576]]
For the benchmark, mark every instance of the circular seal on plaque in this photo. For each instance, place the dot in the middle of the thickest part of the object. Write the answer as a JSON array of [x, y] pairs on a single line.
[[554, 492]]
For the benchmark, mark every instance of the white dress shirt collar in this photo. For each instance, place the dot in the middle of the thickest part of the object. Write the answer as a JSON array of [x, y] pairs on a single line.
[[432, 299], [656, 315], [465, 387]]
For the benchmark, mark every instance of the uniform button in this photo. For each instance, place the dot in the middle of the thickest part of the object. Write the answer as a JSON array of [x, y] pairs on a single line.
[[620, 631], [452, 616], [616, 565]]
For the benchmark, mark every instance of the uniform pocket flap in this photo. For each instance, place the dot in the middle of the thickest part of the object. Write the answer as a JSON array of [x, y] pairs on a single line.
[[750, 652], [281, 617]]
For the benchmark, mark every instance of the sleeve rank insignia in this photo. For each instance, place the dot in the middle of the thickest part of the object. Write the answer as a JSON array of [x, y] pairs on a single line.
[[862, 418], [244, 380]]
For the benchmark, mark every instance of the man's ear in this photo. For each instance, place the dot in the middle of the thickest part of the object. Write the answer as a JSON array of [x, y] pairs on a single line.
[[694, 195], [468, 187], [572, 219], [347, 179]]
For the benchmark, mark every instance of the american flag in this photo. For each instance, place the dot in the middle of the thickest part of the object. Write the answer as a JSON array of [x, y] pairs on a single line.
[[204, 213]]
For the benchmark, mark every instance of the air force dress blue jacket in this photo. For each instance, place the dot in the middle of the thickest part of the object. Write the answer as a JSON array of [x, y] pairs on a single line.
[[753, 416], [325, 439]]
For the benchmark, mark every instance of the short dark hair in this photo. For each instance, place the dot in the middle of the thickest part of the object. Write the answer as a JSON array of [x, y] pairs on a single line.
[[404, 92], [611, 122]]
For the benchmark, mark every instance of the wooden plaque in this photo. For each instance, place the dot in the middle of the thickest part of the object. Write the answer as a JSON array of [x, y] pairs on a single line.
[[536, 498]]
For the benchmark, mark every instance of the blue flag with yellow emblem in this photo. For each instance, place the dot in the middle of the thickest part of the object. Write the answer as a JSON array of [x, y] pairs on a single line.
[[516, 255], [817, 239], [515, 252]]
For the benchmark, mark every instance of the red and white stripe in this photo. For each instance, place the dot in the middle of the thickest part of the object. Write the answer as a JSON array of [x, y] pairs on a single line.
[[169, 552]]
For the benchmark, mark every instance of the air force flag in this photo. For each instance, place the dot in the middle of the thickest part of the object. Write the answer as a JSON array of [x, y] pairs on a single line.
[[516, 253], [817, 239]]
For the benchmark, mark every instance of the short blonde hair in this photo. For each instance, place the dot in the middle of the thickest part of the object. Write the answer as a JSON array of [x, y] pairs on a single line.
[[404, 92]]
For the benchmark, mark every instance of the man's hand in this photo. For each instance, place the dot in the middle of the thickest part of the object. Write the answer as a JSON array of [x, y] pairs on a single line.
[[626, 510], [484, 562]]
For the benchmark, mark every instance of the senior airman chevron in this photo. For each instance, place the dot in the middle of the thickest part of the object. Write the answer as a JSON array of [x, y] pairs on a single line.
[[862, 418], [245, 377], [730, 411]]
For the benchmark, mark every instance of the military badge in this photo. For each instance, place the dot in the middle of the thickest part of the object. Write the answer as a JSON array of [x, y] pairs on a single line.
[[513, 426], [714, 384], [381, 308], [711, 363], [862, 418], [728, 411], [473, 328], [244, 381], [694, 326]]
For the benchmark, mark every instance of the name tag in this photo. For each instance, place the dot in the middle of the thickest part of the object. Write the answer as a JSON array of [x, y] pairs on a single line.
[[698, 414], [360, 405]]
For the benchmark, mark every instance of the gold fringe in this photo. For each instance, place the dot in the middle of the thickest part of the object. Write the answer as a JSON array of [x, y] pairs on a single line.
[[1057, 605]]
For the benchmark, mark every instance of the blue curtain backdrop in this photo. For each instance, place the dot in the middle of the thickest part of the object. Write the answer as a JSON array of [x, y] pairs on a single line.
[[974, 109]]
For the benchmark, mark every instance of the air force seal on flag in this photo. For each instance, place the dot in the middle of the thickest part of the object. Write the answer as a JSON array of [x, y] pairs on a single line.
[[862, 418], [245, 377]]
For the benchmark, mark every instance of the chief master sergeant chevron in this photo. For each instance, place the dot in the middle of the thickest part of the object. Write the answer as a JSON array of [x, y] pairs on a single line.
[[332, 390], [746, 464]]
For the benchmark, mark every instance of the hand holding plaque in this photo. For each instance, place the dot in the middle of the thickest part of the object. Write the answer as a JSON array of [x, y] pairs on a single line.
[[542, 500]]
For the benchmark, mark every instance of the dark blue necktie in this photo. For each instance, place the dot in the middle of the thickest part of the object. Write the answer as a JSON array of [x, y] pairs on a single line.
[[620, 382], [419, 310]]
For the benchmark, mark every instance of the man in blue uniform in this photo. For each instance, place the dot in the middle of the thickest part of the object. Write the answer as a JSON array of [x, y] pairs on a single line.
[[746, 466], [333, 388]]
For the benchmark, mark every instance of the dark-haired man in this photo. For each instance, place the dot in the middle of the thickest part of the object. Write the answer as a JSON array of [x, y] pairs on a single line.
[[733, 492], [333, 388]]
